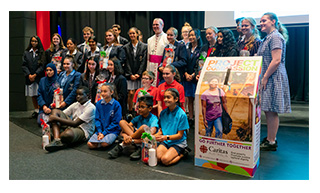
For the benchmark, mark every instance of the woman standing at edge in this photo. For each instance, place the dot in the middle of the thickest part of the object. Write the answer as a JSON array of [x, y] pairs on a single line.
[[275, 94]]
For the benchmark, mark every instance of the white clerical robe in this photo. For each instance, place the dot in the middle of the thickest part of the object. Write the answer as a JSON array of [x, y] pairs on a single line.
[[156, 45]]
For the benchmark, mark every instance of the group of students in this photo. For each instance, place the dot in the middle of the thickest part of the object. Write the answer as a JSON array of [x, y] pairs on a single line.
[[100, 84]]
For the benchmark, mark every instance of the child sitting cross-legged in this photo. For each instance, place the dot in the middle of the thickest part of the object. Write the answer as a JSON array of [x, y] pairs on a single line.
[[132, 131], [108, 116]]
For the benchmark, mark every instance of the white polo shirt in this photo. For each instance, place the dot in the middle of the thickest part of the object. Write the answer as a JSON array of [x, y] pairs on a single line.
[[86, 113]]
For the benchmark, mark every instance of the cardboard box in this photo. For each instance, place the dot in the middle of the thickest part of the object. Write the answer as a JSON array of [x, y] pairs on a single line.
[[236, 151]]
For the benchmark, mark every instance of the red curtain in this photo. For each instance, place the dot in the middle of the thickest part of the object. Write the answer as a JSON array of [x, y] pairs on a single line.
[[43, 27]]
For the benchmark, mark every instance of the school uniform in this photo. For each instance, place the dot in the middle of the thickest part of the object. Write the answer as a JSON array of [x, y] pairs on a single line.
[[107, 118], [171, 122], [164, 86], [153, 91], [91, 83], [276, 96], [151, 121], [122, 40], [83, 47], [136, 63], [49, 54], [87, 55], [69, 84], [120, 83], [115, 51], [192, 67], [77, 55], [32, 63], [179, 60], [86, 113], [254, 48]]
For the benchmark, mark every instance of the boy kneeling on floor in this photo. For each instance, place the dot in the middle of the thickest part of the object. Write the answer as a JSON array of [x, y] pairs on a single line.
[[75, 130], [131, 132]]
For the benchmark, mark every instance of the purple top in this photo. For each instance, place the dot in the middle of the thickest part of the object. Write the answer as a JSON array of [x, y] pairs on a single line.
[[213, 109]]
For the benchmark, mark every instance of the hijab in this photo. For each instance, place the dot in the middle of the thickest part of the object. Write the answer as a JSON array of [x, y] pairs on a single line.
[[49, 81]]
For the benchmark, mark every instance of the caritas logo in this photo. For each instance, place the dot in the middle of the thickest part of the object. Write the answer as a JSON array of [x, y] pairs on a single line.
[[203, 149]]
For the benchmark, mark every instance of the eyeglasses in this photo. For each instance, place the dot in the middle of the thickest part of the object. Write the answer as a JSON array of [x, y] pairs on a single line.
[[145, 78], [142, 107]]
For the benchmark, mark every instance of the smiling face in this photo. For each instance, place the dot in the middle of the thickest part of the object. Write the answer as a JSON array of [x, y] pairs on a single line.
[[192, 37], [106, 92], [110, 66], [146, 81], [71, 46], [169, 100], [67, 65], [213, 83], [86, 35], [246, 28], [210, 35], [144, 109], [266, 24], [133, 35], [109, 37], [55, 40], [168, 76], [185, 31], [171, 37], [92, 44], [92, 66], [49, 72], [220, 38], [157, 27]]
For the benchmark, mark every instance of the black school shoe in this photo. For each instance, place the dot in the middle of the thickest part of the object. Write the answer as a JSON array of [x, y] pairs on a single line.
[[266, 146], [55, 145], [115, 152], [136, 154]]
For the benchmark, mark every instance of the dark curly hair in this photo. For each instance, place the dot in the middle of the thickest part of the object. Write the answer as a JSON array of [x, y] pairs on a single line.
[[228, 41]]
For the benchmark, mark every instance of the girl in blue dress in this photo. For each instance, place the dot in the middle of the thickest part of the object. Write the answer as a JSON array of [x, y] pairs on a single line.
[[275, 94]]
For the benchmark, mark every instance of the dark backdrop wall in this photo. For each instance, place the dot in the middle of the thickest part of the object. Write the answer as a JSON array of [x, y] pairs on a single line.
[[22, 26], [72, 22]]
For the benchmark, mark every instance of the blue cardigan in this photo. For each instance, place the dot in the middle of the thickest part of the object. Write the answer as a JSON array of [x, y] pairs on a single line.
[[108, 116], [70, 87]]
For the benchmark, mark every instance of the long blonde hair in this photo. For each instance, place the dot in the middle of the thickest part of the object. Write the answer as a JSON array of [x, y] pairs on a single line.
[[255, 33]]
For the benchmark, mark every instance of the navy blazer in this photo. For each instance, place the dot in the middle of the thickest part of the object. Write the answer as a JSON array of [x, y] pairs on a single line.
[[123, 41], [138, 64], [180, 59], [117, 51], [32, 65], [71, 86], [120, 83], [193, 65]]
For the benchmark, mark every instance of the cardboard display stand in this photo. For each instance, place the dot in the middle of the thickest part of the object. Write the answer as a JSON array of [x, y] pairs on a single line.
[[238, 150]]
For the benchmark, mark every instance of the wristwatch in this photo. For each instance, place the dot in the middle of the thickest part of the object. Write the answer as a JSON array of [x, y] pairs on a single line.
[[168, 138]]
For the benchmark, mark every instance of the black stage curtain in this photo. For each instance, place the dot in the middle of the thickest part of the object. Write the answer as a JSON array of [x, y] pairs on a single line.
[[297, 62], [72, 23]]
